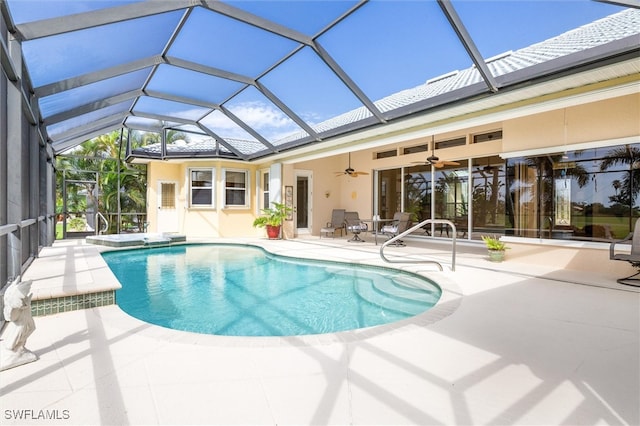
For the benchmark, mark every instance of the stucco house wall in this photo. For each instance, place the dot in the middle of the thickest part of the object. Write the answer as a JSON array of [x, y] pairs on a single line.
[[601, 120]]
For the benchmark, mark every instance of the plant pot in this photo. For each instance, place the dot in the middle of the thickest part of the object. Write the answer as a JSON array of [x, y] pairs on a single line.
[[273, 232], [496, 255]]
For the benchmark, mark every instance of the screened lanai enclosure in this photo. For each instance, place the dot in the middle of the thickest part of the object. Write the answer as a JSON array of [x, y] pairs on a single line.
[[250, 80]]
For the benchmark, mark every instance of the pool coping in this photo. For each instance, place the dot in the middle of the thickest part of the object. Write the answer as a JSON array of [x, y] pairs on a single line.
[[448, 302]]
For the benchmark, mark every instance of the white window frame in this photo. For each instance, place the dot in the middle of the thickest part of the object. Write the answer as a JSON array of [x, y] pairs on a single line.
[[213, 187], [247, 188], [261, 190]]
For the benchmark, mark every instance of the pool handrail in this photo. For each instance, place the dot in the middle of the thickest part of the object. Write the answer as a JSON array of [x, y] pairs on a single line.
[[104, 220], [415, 227]]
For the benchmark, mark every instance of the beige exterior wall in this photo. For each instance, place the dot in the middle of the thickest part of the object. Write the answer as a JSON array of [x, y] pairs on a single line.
[[592, 122], [597, 121], [203, 222]]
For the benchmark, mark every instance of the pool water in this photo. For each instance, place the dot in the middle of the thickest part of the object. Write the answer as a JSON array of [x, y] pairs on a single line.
[[237, 290]]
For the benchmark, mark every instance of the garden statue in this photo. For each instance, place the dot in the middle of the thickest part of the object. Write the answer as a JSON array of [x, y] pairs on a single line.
[[17, 311]]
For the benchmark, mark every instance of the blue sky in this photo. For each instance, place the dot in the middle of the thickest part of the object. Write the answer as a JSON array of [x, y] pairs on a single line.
[[385, 47]]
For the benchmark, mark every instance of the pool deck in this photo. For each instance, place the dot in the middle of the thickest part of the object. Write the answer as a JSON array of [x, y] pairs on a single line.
[[509, 344]]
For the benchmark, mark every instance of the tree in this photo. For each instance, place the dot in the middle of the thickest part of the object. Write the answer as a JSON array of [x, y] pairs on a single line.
[[629, 157], [121, 187]]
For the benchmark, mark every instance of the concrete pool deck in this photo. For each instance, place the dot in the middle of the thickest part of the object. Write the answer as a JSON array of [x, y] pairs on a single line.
[[512, 343]]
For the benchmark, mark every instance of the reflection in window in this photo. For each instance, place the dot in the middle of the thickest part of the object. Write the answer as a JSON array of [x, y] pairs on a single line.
[[389, 192], [589, 194], [417, 192], [202, 188], [236, 183], [488, 196]]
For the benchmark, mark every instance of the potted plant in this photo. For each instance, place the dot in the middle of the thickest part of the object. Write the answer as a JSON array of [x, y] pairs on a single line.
[[272, 219], [495, 247]]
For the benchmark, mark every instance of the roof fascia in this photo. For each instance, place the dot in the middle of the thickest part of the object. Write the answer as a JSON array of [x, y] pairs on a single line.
[[80, 21], [467, 42], [596, 57], [625, 3]]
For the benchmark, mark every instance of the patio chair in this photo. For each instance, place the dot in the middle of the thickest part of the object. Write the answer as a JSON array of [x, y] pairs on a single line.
[[401, 222], [633, 257], [336, 224], [354, 225]]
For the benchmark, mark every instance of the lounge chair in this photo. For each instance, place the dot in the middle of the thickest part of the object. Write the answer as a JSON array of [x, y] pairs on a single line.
[[401, 222], [354, 225], [633, 258], [336, 224]]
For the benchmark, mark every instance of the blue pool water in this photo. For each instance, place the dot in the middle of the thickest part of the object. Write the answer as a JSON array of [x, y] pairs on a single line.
[[237, 290]]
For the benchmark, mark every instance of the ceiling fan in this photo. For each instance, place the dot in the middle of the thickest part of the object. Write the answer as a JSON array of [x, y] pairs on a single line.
[[488, 168], [435, 161], [349, 171]]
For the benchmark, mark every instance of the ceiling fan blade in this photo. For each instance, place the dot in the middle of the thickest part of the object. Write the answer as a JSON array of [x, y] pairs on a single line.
[[450, 163], [362, 173], [439, 164]]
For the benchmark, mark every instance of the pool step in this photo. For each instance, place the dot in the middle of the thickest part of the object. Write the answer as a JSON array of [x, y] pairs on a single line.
[[157, 242], [381, 293]]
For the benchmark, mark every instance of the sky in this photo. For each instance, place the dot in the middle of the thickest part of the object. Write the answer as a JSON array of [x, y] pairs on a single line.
[[385, 47]]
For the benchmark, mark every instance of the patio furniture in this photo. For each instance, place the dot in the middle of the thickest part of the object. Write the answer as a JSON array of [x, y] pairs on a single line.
[[336, 224], [354, 225], [401, 222], [633, 257]]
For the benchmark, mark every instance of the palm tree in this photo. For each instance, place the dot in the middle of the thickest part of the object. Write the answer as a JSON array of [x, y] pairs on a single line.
[[628, 156], [121, 187]]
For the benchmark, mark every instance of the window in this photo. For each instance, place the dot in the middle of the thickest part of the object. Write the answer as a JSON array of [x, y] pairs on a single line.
[[414, 149], [202, 192], [236, 183], [450, 143], [263, 190], [168, 195], [386, 154], [588, 194], [487, 137]]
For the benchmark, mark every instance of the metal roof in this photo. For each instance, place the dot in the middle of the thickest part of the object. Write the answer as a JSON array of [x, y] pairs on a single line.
[[249, 79]]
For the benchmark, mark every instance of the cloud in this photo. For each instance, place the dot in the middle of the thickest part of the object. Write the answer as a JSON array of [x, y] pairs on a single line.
[[261, 116]]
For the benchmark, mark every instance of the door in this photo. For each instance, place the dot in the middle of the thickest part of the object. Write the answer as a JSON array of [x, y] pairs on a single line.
[[303, 197], [167, 212], [80, 205]]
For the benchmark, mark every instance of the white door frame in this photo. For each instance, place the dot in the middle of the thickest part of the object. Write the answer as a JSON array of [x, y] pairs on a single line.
[[309, 175]]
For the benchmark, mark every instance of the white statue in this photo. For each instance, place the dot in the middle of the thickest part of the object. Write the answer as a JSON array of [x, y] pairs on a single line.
[[17, 310]]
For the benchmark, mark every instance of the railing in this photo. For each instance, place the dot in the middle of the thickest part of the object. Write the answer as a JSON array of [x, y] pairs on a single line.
[[104, 220], [418, 226]]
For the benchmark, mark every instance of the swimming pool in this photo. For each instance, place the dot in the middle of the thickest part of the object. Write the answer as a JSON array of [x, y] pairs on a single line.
[[238, 290]]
